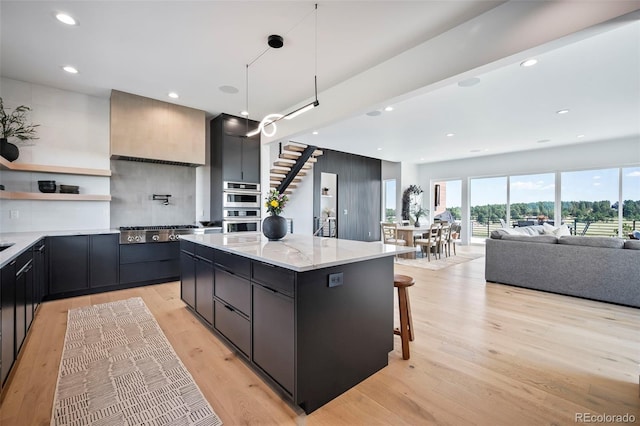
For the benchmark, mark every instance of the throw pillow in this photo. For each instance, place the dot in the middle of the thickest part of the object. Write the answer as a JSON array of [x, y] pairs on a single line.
[[558, 232]]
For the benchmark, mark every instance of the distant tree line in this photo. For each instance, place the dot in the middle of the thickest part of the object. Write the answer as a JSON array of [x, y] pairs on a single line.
[[592, 211]]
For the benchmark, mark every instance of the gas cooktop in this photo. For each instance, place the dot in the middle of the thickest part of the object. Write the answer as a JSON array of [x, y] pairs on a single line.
[[154, 234]]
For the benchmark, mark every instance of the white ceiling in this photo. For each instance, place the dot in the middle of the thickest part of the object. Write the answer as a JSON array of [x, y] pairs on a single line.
[[153, 47]]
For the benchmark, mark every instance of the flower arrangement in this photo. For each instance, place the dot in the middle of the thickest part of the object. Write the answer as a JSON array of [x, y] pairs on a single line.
[[14, 124], [275, 202]]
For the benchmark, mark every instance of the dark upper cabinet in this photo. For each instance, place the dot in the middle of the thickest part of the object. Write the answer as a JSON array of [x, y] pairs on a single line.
[[235, 156], [251, 160], [232, 152], [103, 260], [8, 300], [68, 263]]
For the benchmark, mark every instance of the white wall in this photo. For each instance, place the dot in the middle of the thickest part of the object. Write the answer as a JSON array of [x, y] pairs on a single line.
[[73, 132], [601, 154]]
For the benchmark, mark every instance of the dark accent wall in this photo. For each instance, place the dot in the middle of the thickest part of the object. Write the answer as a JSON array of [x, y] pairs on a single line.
[[359, 192]]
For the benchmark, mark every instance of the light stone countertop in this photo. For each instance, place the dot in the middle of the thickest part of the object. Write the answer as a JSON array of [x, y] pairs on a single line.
[[297, 252], [23, 240]]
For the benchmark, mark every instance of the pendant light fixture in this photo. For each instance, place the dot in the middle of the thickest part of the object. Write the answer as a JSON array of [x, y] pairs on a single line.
[[275, 41]]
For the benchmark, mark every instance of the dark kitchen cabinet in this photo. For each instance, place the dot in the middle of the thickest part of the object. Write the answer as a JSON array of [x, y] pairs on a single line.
[[232, 299], [204, 289], [103, 260], [149, 263], [273, 334], [234, 157], [40, 273], [188, 279], [23, 294], [197, 279], [68, 263], [8, 301], [241, 159], [82, 262]]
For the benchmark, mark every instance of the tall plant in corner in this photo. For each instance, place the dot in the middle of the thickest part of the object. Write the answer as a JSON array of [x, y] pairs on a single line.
[[14, 125]]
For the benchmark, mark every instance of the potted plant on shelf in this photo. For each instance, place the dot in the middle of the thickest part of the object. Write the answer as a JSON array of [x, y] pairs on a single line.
[[274, 227], [14, 124]]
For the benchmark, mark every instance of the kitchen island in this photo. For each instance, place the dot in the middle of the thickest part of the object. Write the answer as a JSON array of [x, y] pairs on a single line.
[[313, 316]]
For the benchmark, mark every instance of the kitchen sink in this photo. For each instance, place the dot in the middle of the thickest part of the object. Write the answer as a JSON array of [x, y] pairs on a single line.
[[4, 246]]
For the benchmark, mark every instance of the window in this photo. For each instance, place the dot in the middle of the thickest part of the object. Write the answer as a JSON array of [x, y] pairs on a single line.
[[630, 200], [488, 199], [588, 200], [389, 197], [531, 198]]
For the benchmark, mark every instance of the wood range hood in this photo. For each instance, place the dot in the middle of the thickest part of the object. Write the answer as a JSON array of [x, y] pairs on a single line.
[[147, 130]]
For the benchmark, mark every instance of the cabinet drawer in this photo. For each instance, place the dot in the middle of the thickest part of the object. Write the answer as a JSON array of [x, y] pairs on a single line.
[[150, 271], [134, 253], [205, 252], [274, 277], [233, 290], [233, 326], [235, 264]]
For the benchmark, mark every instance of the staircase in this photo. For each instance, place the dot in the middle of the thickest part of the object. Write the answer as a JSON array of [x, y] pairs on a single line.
[[294, 162]]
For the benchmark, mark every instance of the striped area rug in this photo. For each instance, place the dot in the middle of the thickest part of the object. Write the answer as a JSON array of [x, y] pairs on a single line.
[[118, 368]]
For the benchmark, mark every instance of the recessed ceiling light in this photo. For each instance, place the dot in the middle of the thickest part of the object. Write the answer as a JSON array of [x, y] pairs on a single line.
[[580, 136], [562, 111], [244, 113], [476, 150], [315, 132], [174, 95], [389, 108], [469, 82], [421, 158], [529, 63], [543, 141], [70, 69], [379, 149], [373, 113], [450, 135], [66, 19]]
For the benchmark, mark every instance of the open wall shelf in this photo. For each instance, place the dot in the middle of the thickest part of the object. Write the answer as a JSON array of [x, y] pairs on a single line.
[[24, 167], [8, 195]]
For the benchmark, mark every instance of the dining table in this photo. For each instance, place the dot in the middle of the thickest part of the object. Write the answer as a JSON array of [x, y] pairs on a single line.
[[407, 232]]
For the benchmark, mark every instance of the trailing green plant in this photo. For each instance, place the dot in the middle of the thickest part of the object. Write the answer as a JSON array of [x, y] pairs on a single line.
[[14, 124]]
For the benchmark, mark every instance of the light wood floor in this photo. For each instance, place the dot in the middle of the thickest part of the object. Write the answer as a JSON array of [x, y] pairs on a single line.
[[484, 354]]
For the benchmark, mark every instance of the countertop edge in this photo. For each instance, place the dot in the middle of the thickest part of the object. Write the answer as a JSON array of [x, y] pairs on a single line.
[[396, 250]]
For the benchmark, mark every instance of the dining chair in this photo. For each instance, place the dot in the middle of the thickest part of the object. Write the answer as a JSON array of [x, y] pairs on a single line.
[[443, 241], [390, 234], [430, 241], [454, 237]]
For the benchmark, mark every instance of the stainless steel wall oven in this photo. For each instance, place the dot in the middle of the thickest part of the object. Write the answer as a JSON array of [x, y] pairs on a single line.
[[241, 204]]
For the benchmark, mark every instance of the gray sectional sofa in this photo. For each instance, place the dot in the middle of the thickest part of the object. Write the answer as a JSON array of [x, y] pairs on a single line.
[[599, 268]]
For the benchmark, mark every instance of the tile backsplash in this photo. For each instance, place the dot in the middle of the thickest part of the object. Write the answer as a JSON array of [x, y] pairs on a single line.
[[133, 185]]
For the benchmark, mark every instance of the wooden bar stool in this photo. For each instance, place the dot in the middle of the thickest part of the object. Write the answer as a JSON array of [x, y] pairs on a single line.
[[402, 282]]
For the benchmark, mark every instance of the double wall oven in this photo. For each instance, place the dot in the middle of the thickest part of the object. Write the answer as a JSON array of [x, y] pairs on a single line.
[[241, 207]]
